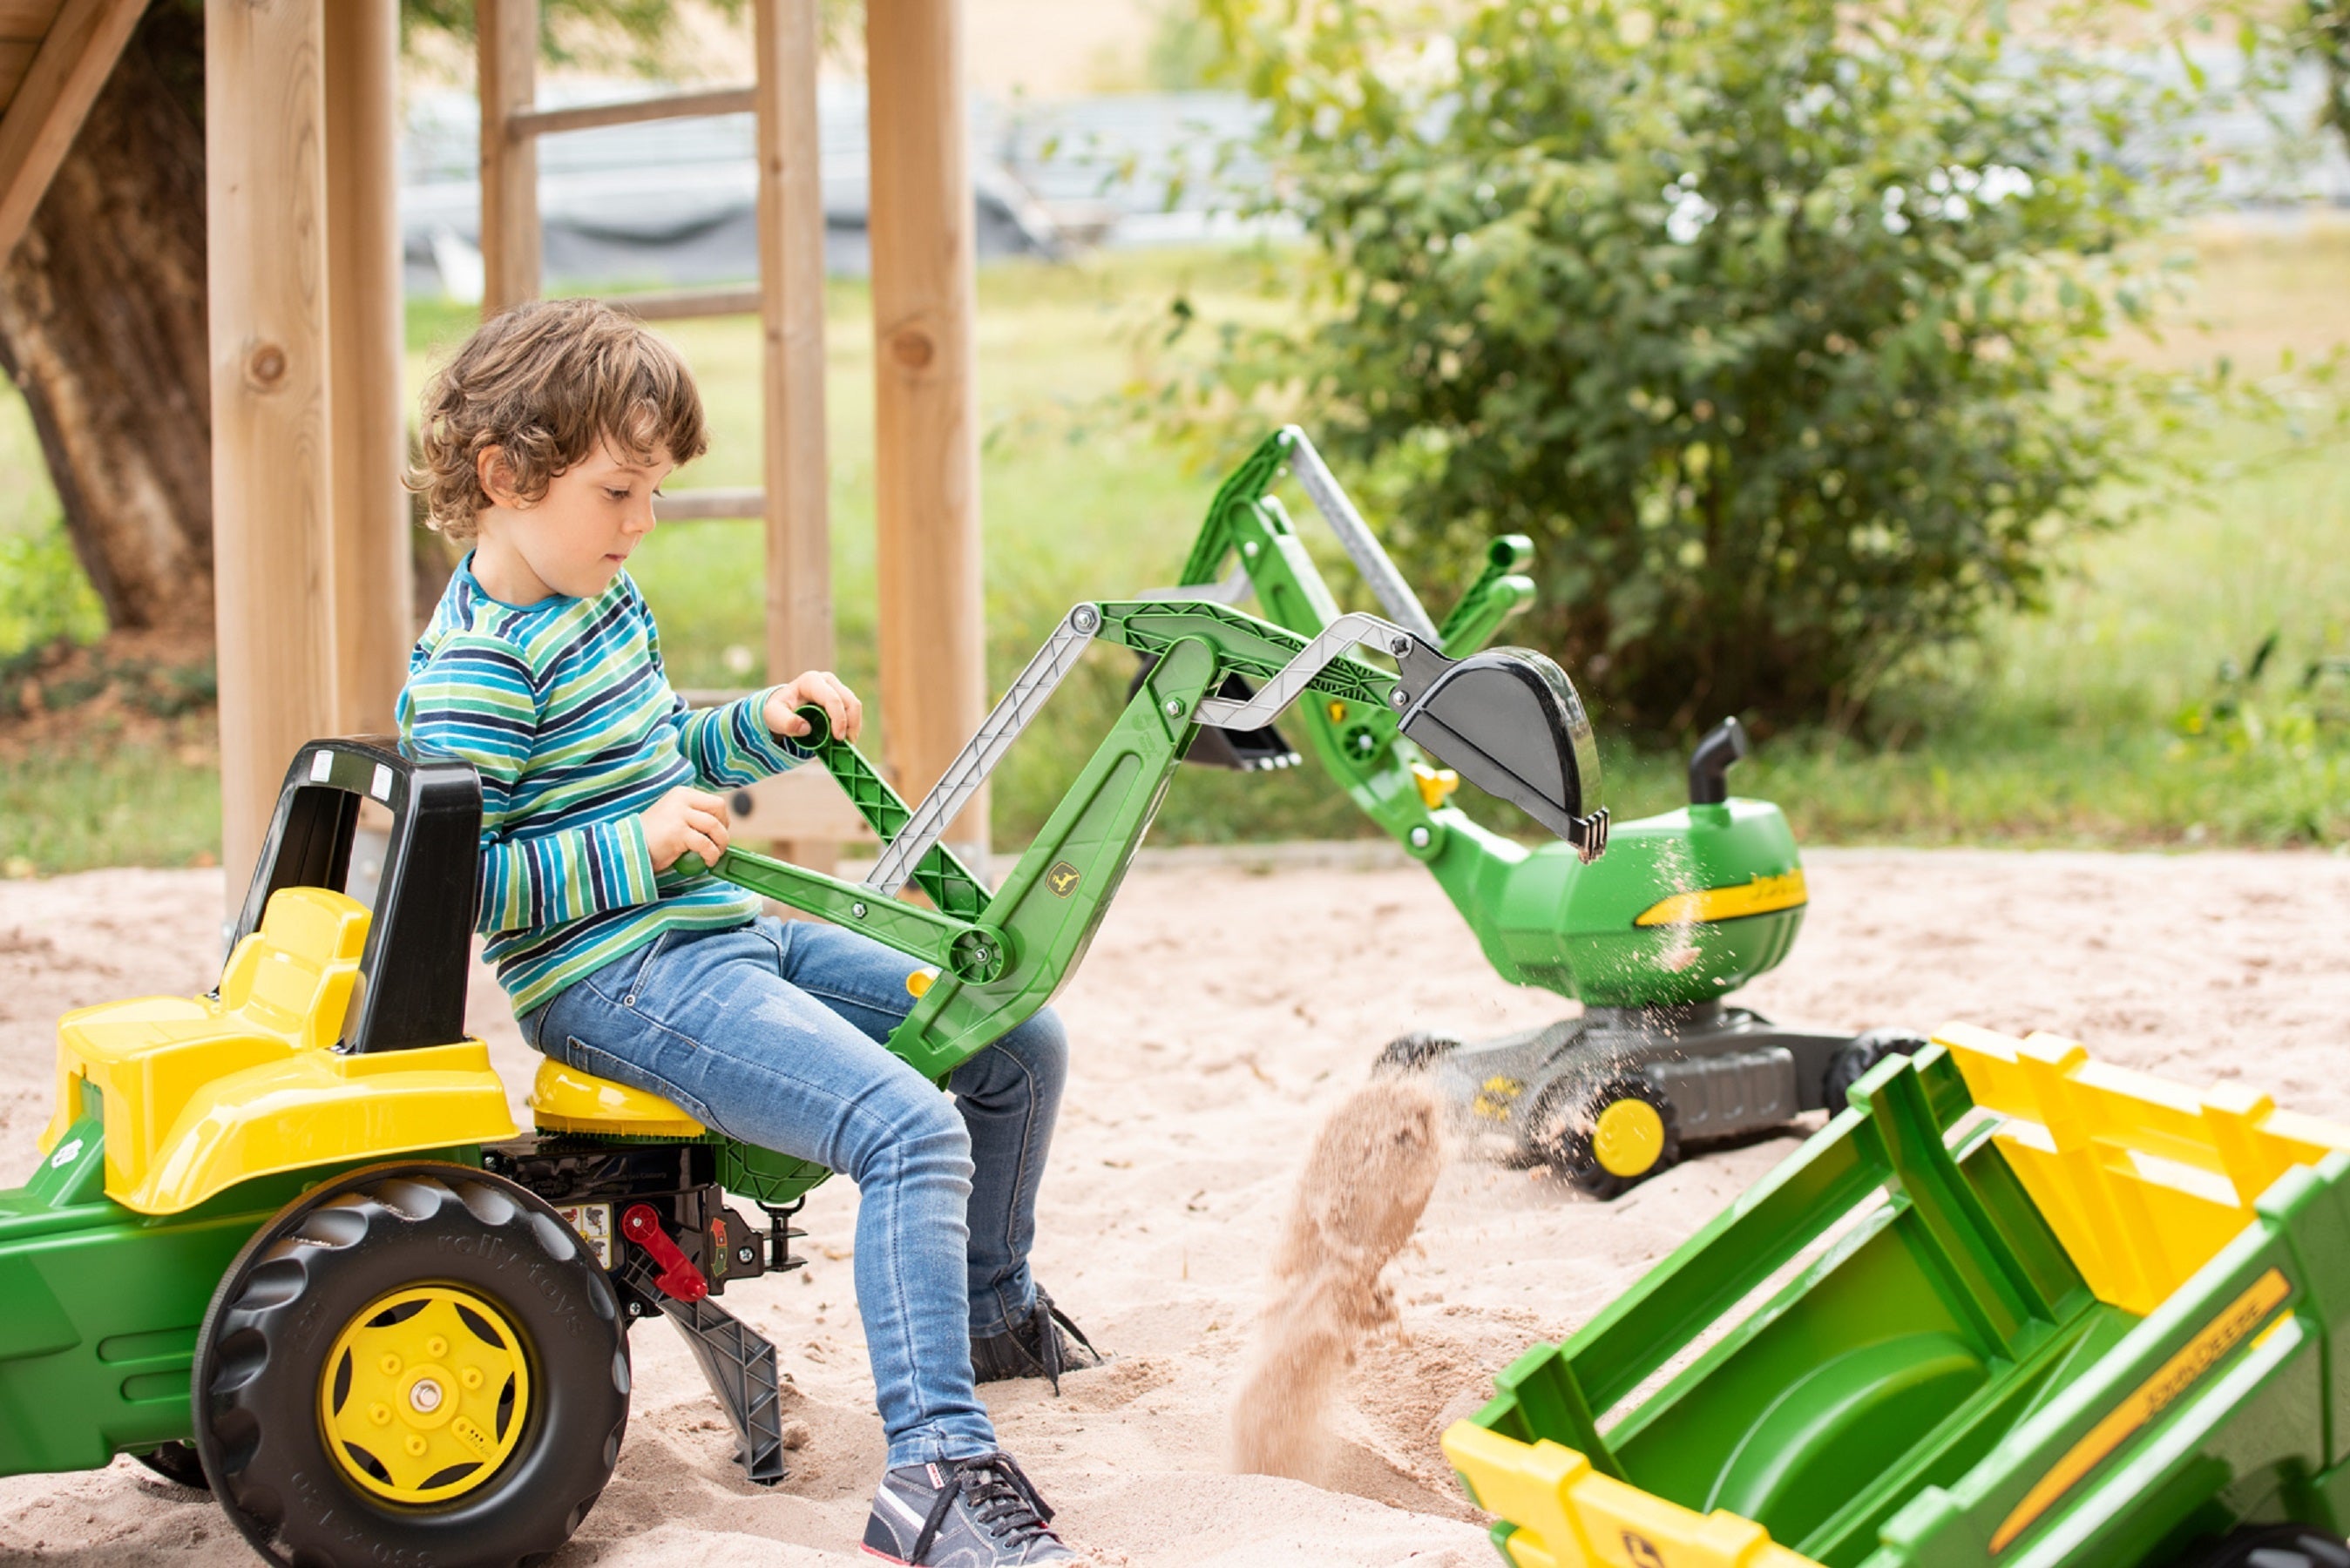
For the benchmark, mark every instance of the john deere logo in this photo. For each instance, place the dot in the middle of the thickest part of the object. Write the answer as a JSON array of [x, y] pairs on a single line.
[[1642, 1552], [1063, 879]]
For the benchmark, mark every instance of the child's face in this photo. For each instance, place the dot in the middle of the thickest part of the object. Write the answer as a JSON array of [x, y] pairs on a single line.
[[573, 539]]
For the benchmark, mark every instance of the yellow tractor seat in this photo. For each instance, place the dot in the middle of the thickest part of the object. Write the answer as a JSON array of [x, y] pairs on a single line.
[[293, 977], [565, 1099]]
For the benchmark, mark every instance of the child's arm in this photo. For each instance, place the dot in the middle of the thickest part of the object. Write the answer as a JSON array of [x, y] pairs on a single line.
[[729, 745], [476, 702]]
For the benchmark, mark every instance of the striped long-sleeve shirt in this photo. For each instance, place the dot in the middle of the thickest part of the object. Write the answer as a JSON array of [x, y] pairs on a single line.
[[565, 710]]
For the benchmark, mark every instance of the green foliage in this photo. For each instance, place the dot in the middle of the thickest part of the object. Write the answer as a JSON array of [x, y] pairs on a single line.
[[1185, 52], [2253, 707], [2327, 40], [43, 596], [1782, 326]]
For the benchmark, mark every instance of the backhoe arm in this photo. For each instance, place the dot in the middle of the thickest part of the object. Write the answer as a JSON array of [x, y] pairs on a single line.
[[1512, 720]]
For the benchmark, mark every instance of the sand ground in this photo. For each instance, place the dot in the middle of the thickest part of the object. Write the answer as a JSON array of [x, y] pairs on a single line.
[[1223, 1011]]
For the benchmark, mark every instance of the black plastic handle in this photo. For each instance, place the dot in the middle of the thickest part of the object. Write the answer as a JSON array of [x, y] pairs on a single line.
[[1708, 769]]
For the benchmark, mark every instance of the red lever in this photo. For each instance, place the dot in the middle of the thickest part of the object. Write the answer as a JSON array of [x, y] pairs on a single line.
[[678, 1277]]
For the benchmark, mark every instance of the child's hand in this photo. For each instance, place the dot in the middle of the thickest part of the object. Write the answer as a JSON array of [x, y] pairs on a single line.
[[824, 688], [685, 819]]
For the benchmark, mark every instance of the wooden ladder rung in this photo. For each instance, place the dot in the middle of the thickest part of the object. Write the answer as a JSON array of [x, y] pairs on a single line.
[[633, 111], [709, 505], [684, 304]]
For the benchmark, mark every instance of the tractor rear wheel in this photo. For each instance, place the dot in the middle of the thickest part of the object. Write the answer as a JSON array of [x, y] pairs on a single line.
[[2269, 1546], [413, 1364], [1606, 1141]]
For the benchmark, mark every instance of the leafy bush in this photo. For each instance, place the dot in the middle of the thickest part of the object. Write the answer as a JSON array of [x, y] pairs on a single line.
[[1781, 326], [43, 595]]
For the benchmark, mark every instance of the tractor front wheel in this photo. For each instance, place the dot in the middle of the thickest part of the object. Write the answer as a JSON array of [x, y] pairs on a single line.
[[1414, 1052], [1608, 1139], [413, 1364], [1851, 1063]]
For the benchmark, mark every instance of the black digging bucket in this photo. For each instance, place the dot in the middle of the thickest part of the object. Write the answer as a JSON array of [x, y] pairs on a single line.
[[1509, 721]]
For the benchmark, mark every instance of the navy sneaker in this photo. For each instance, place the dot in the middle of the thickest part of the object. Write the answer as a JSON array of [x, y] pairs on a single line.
[[979, 1512], [1034, 1347]]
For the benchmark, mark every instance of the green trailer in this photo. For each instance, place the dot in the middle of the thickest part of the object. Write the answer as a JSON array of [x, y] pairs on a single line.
[[2012, 1307]]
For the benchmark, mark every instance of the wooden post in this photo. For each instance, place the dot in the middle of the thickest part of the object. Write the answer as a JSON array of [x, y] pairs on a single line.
[[788, 43], [374, 580], [926, 441], [272, 542], [508, 54]]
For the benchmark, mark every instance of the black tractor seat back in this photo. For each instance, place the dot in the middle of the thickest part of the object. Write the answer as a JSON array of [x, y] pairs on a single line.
[[411, 990]]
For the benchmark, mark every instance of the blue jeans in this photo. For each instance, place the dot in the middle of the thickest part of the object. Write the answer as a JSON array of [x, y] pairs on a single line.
[[771, 1033]]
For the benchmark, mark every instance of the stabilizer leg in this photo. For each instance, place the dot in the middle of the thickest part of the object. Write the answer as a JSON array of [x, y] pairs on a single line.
[[740, 1365]]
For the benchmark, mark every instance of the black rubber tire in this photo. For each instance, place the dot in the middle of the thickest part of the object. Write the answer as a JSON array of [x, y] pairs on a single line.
[[177, 1462], [1414, 1052], [1852, 1064], [2268, 1546], [301, 1280], [1564, 1116]]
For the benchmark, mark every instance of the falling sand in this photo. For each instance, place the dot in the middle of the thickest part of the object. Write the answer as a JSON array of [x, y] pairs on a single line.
[[1373, 1166]]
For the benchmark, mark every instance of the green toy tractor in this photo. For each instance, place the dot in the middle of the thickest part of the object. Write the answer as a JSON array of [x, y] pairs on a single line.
[[1686, 908], [286, 1242]]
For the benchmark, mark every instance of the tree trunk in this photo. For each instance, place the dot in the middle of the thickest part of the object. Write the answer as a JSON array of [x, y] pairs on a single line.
[[102, 324]]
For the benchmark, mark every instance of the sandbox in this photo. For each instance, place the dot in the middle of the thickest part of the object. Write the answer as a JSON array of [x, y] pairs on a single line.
[[1207, 1052]]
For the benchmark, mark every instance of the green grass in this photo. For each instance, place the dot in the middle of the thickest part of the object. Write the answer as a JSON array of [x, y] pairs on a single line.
[[108, 803], [2061, 728]]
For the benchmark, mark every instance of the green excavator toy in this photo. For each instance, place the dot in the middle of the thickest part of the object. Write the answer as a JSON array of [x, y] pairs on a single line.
[[285, 1242], [1685, 908]]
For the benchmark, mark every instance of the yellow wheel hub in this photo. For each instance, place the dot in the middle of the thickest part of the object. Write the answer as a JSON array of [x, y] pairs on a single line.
[[424, 1394], [1628, 1137]]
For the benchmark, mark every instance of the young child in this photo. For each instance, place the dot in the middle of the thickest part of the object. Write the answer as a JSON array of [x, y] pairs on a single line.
[[543, 440]]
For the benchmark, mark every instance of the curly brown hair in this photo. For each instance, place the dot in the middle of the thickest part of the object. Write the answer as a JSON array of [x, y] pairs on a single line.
[[542, 382]]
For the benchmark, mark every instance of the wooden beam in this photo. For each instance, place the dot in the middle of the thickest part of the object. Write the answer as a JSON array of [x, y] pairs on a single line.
[[926, 441], [508, 55], [76, 57], [374, 579], [685, 304], [787, 39], [709, 505], [632, 111], [26, 18], [273, 540], [16, 59]]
